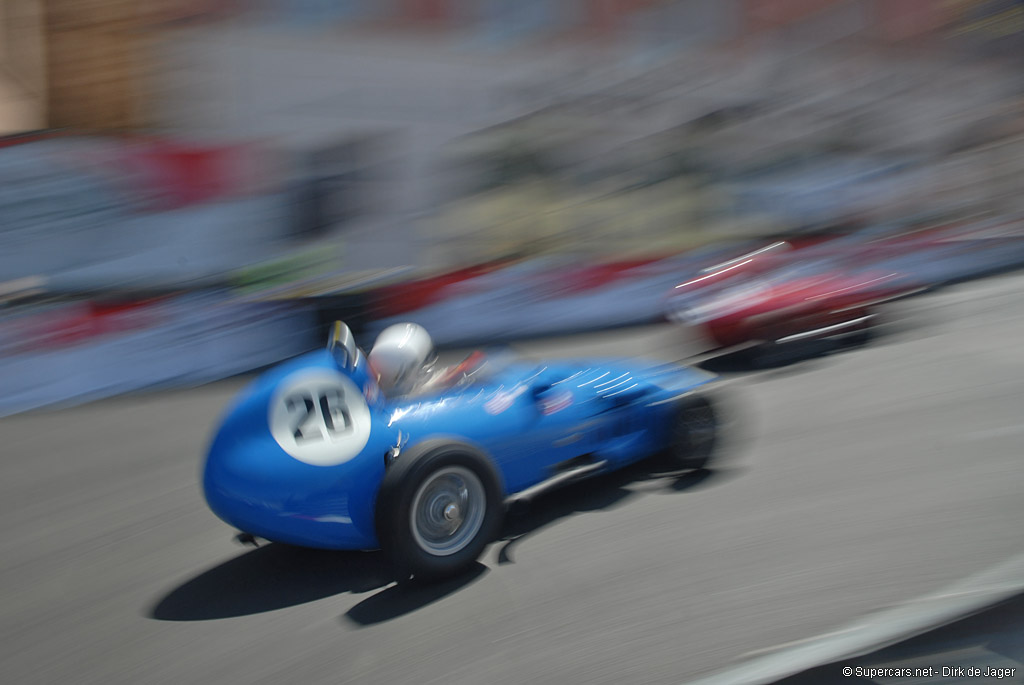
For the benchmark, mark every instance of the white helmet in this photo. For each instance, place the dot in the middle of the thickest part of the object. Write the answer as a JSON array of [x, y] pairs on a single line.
[[399, 354]]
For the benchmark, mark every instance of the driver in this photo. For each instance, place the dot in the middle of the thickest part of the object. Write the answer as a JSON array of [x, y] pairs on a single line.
[[401, 356], [403, 360]]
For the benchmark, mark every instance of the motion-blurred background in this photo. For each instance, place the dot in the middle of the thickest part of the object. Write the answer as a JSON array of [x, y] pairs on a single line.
[[190, 188]]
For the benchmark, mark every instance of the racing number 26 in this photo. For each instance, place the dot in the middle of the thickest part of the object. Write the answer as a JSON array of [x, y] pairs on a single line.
[[320, 417]]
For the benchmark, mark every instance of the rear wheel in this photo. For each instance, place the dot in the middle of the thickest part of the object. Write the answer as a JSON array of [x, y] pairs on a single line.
[[694, 434], [439, 506]]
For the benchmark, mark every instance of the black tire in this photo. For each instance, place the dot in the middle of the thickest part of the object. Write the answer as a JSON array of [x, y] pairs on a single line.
[[416, 526], [768, 355], [694, 434]]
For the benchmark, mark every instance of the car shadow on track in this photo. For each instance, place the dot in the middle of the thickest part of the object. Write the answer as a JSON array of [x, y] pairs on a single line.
[[404, 598], [598, 494], [276, 576], [272, 577]]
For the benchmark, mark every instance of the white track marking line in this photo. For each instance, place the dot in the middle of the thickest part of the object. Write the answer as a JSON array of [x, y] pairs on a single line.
[[879, 630]]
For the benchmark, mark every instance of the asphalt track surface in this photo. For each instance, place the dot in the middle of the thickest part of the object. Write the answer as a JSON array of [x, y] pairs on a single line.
[[855, 482]]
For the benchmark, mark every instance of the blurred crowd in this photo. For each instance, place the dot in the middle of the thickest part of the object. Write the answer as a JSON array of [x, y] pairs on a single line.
[[603, 127]]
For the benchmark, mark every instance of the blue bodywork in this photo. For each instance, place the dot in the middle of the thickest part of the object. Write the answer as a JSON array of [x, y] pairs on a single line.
[[527, 417]]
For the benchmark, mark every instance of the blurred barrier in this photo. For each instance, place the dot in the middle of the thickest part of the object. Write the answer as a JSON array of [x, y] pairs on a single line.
[[184, 341]]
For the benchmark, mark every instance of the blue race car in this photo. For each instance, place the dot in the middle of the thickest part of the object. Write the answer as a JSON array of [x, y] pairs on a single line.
[[341, 450]]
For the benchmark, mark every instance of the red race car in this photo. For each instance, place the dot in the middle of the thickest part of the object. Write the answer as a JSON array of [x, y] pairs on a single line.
[[781, 304]]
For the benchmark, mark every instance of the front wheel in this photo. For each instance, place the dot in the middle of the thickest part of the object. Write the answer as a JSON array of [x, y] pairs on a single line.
[[694, 434], [439, 506]]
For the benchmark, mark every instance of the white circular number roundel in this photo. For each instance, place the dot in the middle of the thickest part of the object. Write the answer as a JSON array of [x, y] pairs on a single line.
[[320, 417]]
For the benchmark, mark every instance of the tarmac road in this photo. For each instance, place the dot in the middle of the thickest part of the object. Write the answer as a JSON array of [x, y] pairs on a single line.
[[861, 480]]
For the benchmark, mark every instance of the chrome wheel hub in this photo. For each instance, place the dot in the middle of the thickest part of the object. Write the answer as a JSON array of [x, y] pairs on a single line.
[[448, 510], [451, 513]]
